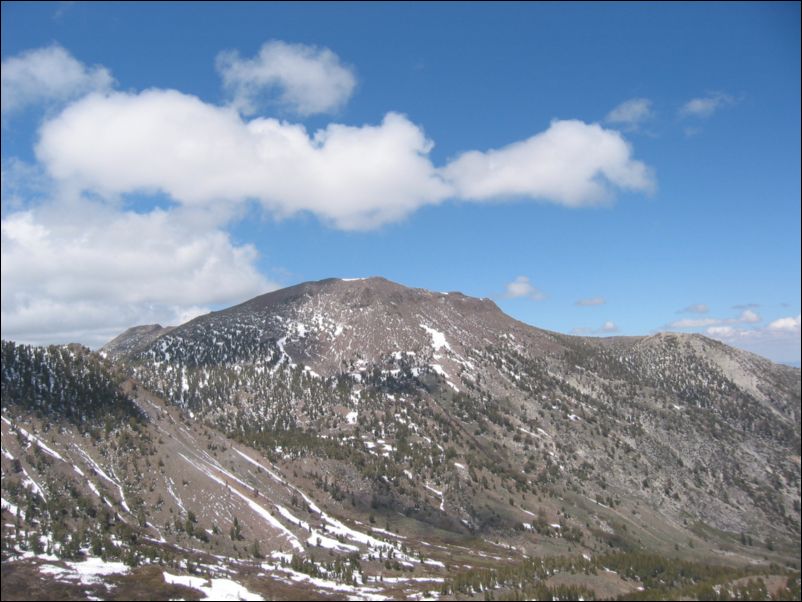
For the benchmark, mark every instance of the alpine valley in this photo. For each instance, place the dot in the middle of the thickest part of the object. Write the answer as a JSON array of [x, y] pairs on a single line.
[[359, 439]]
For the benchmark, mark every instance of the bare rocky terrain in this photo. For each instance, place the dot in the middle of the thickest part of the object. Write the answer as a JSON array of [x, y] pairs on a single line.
[[357, 438]]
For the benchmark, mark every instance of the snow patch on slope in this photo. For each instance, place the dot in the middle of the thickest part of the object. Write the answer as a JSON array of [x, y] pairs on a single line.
[[215, 589], [438, 338]]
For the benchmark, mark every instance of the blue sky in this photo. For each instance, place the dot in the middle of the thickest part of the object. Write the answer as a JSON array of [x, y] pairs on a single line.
[[597, 169]]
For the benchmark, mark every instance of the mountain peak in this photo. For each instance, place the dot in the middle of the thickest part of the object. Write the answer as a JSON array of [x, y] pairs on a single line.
[[325, 323], [358, 292]]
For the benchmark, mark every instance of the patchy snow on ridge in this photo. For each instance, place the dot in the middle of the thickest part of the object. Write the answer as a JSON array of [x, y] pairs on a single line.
[[438, 338]]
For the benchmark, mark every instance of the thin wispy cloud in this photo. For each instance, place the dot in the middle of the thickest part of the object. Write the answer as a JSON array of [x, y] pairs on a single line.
[[747, 316], [705, 106], [62, 9], [694, 322], [609, 327], [591, 301], [720, 331], [631, 114], [696, 308]]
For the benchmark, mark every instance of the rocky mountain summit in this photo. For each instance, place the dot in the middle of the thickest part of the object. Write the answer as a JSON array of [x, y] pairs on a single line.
[[406, 443]]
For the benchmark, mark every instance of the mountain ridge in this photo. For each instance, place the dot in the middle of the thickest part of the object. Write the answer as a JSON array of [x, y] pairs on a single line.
[[334, 327], [359, 431]]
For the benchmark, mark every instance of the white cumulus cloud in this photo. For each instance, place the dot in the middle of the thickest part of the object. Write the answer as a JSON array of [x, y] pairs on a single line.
[[304, 79], [748, 317], [522, 287], [82, 271], [789, 324], [353, 177], [201, 154], [47, 75], [609, 326], [572, 163], [779, 341]]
